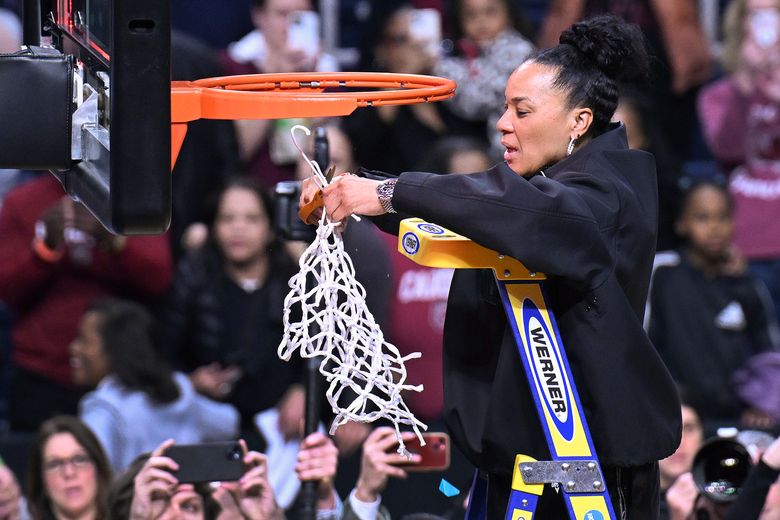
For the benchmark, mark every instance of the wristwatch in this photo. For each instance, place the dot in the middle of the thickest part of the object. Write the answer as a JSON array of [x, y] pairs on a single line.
[[385, 193]]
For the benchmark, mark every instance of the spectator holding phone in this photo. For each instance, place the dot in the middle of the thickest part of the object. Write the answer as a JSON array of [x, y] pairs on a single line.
[[150, 491], [68, 475], [394, 138], [286, 39], [138, 400]]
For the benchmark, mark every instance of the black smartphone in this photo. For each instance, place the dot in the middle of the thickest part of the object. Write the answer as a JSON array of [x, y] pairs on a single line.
[[208, 462]]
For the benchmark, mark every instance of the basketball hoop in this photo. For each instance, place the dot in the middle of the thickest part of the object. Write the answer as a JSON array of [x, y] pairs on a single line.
[[296, 94], [335, 323]]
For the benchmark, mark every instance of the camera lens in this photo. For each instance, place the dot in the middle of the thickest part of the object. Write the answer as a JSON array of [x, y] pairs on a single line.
[[235, 454]]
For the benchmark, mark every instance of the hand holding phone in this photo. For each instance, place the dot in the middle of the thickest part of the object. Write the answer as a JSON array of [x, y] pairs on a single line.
[[434, 456], [425, 28], [764, 26], [303, 32], [379, 462], [209, 462]]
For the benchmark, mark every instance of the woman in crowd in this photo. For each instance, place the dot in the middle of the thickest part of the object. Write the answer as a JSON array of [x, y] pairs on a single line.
[[488, 46], [224, 320], [572, 201], [393, 138], [138, 401], [707, 313], [68, 475]]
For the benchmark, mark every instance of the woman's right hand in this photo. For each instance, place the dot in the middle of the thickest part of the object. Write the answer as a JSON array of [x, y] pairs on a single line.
[[154, 485], [379, 463], [681, 497]]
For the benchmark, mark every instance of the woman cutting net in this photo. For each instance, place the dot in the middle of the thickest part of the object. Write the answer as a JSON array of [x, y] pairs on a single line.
[[572, 201]]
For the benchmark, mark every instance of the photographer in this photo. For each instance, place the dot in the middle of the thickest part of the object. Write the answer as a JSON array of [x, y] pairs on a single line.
[[756, 499]]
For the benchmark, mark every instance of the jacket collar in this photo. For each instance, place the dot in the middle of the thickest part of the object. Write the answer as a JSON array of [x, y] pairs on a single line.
[[614, 138]]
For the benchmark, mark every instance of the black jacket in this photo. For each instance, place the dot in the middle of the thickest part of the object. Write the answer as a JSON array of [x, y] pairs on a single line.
[[705, 327], [197, 319], [590, 225]]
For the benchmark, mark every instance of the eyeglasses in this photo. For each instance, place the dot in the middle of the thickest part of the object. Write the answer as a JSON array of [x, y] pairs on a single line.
[[79, 461]]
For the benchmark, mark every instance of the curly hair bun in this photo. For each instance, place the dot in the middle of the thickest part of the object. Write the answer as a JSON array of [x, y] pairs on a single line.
[[615, 46]]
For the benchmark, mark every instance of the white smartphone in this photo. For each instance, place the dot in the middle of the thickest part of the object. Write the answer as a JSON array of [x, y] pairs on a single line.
[[765, 26], [303, 32], [425, 27]]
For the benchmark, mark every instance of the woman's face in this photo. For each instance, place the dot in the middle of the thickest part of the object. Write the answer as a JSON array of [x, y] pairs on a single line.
[[273, 19], [484, 20], [88, 359], [706, 222], [69, 475], [537, 124], [242, 229]]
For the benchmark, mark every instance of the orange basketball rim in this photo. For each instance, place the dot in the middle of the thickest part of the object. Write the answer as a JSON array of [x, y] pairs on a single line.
[[297, 94]]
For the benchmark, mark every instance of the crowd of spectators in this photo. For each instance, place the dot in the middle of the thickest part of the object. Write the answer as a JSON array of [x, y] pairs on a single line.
[[113, 348]]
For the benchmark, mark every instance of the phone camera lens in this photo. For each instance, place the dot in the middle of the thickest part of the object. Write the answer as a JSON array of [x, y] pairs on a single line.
[[234, 454]]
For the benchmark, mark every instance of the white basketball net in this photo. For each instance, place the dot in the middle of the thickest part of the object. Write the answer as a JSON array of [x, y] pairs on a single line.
[[365, 373]]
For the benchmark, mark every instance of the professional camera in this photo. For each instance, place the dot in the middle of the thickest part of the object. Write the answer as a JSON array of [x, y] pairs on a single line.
[[286, 194], [720, 467]]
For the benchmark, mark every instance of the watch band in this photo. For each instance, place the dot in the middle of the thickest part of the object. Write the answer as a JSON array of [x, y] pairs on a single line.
[[385, 194]]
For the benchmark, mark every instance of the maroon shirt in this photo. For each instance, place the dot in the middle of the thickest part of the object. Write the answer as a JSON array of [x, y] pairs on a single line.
[[743, 133], [416, 324]]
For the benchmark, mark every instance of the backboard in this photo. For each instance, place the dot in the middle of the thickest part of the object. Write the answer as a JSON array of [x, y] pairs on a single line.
[[121, 151]]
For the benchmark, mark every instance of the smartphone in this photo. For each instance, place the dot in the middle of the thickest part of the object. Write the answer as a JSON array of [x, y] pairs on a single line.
[[435, 454], [208, 462], [303, 32], [765, 26], [425, 27]]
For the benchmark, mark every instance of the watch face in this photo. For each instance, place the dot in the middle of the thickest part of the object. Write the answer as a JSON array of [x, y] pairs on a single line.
[[385, 189]]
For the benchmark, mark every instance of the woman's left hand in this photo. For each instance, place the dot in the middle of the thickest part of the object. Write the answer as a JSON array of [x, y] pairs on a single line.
[[318, 461], [351, 195]]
